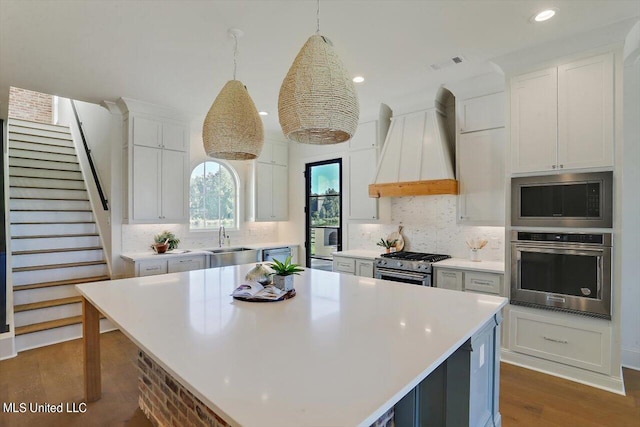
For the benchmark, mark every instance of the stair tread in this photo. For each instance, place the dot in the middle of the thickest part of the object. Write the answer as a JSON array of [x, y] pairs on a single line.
[[47, 188], [45, 177], [54, 266], [17, 122], [48, 198], [52, 222], [60, 283], [43, 326], [45, 304], [51, 210], [40, 160], [40, 151], [49, 251], [44, 169], [55, 236]]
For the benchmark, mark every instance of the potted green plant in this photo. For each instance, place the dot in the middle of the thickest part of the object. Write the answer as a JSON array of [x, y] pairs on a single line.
[[166, 237], [283, 273], [387, 244]]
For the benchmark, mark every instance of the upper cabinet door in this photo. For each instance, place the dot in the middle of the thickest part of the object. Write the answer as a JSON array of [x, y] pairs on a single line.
[[481, 113], [174, 136], [147, 132], [173, 176], [279, 154], [534, 121], [585, 113], [145, 185], [366, 136], [362, 171]]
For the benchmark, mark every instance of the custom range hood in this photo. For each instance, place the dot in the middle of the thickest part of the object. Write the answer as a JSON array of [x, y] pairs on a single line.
[[418, 156]]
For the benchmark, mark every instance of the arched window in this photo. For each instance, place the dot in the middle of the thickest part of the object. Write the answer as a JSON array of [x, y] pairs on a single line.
[[212, 197]]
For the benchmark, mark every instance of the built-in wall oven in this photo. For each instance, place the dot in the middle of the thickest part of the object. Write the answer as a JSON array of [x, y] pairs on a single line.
[[565, 200], [562, 271]]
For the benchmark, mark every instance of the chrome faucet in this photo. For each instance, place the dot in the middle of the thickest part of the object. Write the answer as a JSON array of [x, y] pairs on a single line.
[[221, 235]]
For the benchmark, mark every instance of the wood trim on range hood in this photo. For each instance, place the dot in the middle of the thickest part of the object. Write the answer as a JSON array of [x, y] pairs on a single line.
[[414, 188]]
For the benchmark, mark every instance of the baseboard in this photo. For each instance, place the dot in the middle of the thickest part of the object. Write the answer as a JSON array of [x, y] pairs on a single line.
[[631, 358], [7, 346], [592, 379]]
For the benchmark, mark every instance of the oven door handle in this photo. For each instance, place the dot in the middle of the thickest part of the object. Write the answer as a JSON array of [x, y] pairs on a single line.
[[400, 275]]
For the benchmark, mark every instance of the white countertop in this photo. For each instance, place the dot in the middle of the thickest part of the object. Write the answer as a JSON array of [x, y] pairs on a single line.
[[142, 256], [359, 253], [340, 353], [465, 264]]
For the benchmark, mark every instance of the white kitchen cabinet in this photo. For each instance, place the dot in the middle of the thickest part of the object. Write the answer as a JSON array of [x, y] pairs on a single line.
[[448, 279], [366, 136], [196, 262], [480, 159], [469, 280], [569, 339], [165, 264], [362, 171], [562, 118], [156, 164], [268, 184], [481, 113], [362, 267]]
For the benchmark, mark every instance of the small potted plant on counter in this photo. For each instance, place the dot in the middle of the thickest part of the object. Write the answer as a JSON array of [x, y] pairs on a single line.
[[387, 244], [284, 271], [165, 238]]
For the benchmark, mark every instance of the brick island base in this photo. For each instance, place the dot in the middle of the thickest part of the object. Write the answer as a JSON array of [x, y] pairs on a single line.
[[165, 402]]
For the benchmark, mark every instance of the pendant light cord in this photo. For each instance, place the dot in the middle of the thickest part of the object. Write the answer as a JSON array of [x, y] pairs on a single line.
[[317, 16], [235, 55]]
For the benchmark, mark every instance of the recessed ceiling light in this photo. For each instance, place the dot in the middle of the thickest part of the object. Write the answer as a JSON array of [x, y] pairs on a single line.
[[544, 15], [358, 79], [263, 113]]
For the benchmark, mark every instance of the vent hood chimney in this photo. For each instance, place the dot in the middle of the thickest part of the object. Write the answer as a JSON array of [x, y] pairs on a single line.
[[417, 158]]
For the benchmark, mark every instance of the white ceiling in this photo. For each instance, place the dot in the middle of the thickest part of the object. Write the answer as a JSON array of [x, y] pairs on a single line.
[[177, 53]]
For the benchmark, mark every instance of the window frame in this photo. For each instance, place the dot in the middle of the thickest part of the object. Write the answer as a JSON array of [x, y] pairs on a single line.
[[236, 181]]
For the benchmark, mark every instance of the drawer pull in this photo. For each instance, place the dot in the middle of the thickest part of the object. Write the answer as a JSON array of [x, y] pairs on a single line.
[[152, 268], [556, 340], [342, 264], [483, 282], [448, 274]]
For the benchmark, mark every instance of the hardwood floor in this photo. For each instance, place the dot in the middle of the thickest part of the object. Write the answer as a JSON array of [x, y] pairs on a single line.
[[54, 374]]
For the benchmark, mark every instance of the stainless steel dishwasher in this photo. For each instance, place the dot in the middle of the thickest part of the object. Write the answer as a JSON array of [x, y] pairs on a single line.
[[276, 253]]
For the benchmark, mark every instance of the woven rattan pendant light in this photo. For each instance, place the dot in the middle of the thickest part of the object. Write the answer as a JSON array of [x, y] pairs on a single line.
[[318, 102], [233, 129]]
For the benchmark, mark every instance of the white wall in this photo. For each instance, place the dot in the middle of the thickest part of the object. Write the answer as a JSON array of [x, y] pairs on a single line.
[[630, 235]]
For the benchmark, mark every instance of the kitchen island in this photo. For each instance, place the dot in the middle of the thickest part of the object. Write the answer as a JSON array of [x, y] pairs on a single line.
[[343, 352]]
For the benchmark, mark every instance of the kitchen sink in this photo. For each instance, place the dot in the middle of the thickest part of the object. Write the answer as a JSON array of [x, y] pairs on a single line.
[[221, 257]]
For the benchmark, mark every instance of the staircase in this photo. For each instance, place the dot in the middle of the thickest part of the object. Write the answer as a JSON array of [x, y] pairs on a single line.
[[54, 239]]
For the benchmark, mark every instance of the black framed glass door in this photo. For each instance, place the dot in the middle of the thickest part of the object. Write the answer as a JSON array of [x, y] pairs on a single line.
[[323, 208]]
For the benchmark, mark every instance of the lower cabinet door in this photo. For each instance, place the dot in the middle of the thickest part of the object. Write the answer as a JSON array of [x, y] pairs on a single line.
[[449, 279], [344, 265], [186, 264], [151, 268], [364, 268]]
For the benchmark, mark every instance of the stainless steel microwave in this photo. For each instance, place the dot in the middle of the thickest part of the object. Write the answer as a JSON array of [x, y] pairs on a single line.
[[566, 200]]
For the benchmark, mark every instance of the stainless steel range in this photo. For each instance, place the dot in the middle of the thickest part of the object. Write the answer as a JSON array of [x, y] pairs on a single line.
[[408, 267]]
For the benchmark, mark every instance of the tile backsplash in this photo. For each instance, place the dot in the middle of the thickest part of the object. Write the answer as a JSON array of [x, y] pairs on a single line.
[[138, 237], [429, 226]]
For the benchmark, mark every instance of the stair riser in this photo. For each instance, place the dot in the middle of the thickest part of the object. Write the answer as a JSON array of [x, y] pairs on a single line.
[[21, 217], [40, 155], [44, 205], [43, 164], [40, 193], [40, 132], [17, 123], [44, 229], [16, 136], [54, 243], [53, 336], [44, 294], [40, 173], [33, 146], [47, 183], [56, 274], [29, 317], [56, 258]]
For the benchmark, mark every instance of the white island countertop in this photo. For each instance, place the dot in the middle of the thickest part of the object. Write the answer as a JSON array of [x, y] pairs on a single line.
[[340, 353]]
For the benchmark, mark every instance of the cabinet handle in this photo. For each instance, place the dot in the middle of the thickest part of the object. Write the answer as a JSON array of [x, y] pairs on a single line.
[[553, 166], [556, 340], [151, 268], [561, 166], [342, 264], [482, 282], [448, 274]]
